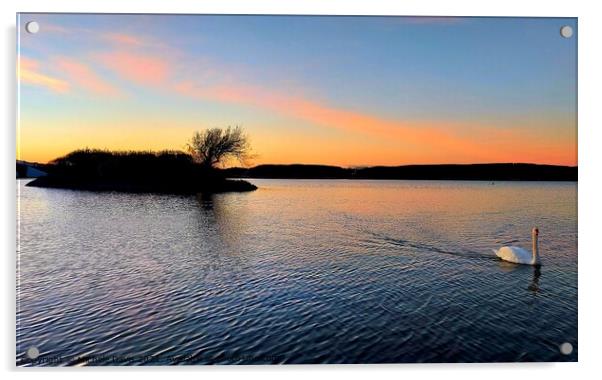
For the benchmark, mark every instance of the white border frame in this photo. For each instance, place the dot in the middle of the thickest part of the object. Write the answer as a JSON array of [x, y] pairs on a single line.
[[590, 31]]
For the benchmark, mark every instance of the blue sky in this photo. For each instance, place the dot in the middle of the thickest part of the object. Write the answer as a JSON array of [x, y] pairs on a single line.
[[413, 90]]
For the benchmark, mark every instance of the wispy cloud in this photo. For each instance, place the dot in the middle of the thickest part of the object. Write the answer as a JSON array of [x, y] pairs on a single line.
[[422, 141], [129, 40], [415, 135], [144, 69], [124, 39], [28, 72], [83, 76]]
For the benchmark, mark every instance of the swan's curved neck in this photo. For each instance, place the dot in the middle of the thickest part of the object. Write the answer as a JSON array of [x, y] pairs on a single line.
[[535, 258]]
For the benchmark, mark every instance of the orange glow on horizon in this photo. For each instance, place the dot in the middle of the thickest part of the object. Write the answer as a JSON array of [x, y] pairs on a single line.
[[352, 150], [325, 134], [285, 126], [405, 142]]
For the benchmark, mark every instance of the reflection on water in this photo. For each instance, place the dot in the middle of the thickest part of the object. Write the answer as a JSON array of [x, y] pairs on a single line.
[[534, 270], [534, 286], [297, 272], [206, 201]]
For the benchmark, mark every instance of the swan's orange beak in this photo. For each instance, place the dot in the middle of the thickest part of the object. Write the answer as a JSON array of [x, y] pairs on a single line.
[[536, 231]]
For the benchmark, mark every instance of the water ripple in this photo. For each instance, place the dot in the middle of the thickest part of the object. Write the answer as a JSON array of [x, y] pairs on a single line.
[[297, 272]]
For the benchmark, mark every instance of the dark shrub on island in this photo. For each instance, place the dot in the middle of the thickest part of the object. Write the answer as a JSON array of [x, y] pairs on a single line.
[[162, 172]]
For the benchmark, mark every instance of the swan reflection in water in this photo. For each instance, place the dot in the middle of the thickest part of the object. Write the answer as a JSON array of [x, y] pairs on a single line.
[[533, 286]]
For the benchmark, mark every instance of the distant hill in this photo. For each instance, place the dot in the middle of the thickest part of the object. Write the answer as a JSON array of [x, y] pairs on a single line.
[[482, 172]]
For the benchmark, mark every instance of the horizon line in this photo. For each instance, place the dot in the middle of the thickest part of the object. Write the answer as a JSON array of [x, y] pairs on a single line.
[[343, 166], [400, 165]]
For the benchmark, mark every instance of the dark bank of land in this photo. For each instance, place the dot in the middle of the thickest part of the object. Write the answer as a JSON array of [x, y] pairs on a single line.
[[178, 172], [163, 172], [481, 172]]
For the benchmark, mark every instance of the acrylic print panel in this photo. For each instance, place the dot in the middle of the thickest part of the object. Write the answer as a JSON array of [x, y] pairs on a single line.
[[215, 189]]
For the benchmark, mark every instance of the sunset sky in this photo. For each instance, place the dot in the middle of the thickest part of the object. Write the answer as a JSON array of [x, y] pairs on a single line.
[[347, 91]]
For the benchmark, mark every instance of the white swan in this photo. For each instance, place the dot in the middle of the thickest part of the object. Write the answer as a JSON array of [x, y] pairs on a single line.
[[519, 255]]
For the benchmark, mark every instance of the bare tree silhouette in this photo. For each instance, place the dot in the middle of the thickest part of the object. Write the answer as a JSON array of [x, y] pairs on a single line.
[[213, 146]]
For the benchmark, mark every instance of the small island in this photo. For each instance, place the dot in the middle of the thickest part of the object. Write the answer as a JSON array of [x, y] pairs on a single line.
[[175, 172]]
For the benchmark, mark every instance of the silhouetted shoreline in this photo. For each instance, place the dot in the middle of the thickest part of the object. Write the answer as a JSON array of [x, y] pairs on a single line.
[[225, 185], [480, 172], [137, 172], [177, 172]]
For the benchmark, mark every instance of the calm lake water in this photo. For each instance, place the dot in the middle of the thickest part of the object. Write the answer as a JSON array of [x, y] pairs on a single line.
[[299, 271]]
